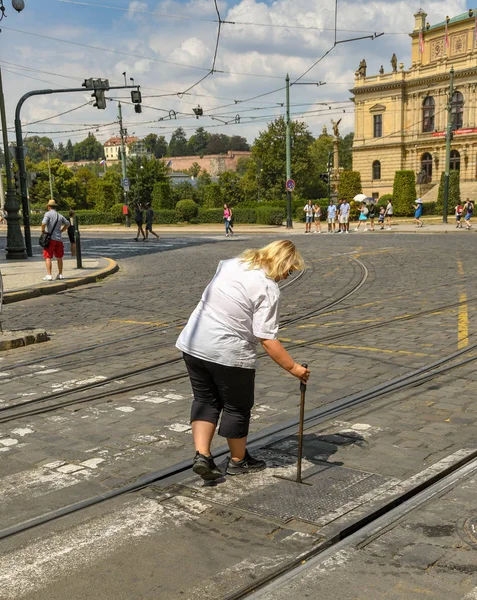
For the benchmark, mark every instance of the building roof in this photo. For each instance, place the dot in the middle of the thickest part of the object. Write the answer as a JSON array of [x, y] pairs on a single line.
[[116, 141], [456, 19]]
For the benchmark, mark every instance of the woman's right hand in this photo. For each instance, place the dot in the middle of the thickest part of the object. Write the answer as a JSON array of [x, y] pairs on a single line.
[[300, 372]]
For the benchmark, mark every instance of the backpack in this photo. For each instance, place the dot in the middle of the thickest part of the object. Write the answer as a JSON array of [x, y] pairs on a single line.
[[365, 211]]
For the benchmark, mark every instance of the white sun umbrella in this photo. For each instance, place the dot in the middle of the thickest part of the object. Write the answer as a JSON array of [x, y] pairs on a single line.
[[360, 198]]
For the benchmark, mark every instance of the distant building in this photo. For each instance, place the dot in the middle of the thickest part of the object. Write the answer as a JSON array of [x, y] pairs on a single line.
[[113, 146], [401, 115], [178, 177]]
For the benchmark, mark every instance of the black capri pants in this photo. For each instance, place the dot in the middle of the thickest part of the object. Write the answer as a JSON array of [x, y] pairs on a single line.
[[221, 389]]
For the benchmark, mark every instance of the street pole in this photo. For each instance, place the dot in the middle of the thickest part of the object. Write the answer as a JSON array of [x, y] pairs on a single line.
[[448, 146], [288, 150], [49, 176], [122, 133], [15, 245], [328, 169]]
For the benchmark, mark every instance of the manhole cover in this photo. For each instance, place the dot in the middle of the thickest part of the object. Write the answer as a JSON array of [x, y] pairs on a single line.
[[467, 530], [330, 489]]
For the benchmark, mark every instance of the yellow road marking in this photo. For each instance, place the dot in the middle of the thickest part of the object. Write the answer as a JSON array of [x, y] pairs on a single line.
[[463, 322], [370, 349], [460, 267], [157, 323]]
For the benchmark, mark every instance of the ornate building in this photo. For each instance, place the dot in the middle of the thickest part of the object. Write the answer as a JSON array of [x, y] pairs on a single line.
[[401, 116]]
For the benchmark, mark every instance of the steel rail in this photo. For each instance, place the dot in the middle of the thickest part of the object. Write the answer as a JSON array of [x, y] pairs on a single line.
[[263, 438]]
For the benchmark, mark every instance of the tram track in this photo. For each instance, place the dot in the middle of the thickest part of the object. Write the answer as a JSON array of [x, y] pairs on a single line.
[[269, 435]]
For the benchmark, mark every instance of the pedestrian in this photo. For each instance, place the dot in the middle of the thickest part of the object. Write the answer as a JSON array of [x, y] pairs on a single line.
[[139, 218], [344, 215], [389, 213], [363, 217], [71, 232], [54, 224], [239, 309], [459, 209], [231, 222], [227, 219], [418, 212], [149, 220], [372, 215], [338, 215], [469, 211], [331, 217], [3, 216], [382, 214], [317, 217], [308, 210]]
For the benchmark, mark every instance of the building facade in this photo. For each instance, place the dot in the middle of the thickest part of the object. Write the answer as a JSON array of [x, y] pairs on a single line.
[[401, 116], [113, 146]]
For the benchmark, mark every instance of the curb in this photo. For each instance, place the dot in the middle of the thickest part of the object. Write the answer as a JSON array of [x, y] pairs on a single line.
[[54, 288], [20, 339]]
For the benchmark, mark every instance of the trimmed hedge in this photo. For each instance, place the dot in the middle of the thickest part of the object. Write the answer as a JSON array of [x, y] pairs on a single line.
[[404, 193], [165, 216], [85, 217], [454, 193], [244, 215], [349, 185], [211, 215], [270, 215]]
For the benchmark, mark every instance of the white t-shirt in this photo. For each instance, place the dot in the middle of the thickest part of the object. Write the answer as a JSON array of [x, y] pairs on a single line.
[[308, 209], [239, 306], [331, 210], [344, 210], [389, 209]]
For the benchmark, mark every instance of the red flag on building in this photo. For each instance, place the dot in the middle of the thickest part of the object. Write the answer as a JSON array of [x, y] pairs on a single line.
[[421, 42]]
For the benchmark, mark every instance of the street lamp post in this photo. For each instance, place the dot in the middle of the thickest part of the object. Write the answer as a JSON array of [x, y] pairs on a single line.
[[448, 147], [15, 248]]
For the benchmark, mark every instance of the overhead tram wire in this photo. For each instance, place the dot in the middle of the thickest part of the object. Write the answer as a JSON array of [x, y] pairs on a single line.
[[225, 22]]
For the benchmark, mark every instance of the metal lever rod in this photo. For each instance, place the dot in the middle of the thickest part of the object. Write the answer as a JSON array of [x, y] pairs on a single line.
[[300, 429]]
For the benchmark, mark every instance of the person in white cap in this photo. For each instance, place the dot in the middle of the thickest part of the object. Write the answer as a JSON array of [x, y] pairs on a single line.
[[54, 224], [418, 212]]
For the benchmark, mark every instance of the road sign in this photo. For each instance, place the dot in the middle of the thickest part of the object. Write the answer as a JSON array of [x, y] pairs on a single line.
[[290, 185], [126, 184]]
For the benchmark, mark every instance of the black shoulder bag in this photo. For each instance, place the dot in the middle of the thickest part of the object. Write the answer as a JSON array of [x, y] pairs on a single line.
[[45, 237]]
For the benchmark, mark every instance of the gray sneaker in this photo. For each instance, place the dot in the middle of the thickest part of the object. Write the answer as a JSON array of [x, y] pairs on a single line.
[[206, 467], [247, 465]]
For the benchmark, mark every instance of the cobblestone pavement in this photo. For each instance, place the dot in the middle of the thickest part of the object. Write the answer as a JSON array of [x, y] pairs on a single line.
[[415, 307]]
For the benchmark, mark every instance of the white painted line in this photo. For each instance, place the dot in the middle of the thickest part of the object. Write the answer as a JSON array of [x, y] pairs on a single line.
[[53, 558]]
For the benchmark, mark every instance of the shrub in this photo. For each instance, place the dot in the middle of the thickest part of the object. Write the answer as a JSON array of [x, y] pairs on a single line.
[[349, 185], [429, 208], [404, 193], [117, 212], [244, 215], [211, 215], [270, 215], [85, 217], [454, 193], [165, 216], [186, 210], [162, 196]]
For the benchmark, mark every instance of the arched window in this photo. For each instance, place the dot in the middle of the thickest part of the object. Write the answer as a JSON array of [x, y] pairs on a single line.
[[426, 165], [428, 111], [457, 109], [455, 160], [376, 169]]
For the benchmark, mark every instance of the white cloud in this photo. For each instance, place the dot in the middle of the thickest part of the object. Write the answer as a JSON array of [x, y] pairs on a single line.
[[270, 52]]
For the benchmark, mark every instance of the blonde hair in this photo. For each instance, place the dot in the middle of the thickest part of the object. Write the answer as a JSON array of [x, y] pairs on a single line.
[[276, 259]]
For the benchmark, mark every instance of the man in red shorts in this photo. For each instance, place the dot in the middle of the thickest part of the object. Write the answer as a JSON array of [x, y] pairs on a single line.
[[54, 224]]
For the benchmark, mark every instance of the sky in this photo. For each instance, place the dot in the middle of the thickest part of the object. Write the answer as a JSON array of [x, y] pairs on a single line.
[[168, 46]]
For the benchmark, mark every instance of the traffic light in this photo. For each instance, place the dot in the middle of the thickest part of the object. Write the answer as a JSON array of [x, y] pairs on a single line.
[[18, 187], [325, 177], [99, 86], [136, 99]]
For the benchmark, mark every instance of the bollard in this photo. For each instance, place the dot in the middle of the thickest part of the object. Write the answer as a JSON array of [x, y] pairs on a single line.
[[79, 264], [300, 428]]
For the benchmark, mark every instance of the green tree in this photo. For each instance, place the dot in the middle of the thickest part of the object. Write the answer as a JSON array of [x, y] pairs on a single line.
[[229, 183], [160, 149], [404, 193], [238, 143], [454, 193], [88, 149], [37, 147], [150, 142], [69, 152], [194, 171], [198, 142], [203, 179], [68, 190], [184, 191], [346, 147], [213, 197], [105, 192], [321, 151], [178, 143], [218, 143], [266, 170], [162, 196], [349, 185], [144, 173]]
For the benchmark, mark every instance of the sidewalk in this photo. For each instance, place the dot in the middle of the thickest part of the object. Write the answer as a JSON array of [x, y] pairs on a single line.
[[399, 225], [24, 279]]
